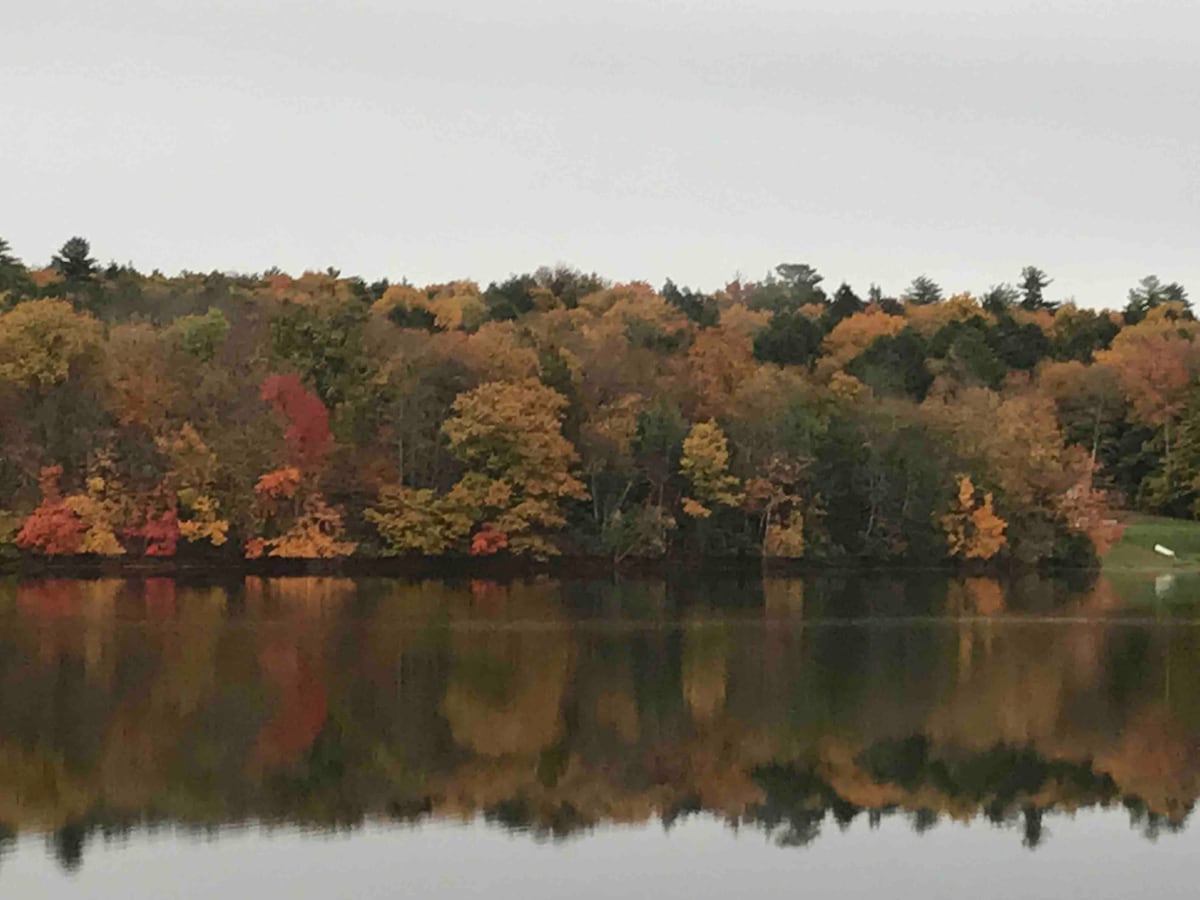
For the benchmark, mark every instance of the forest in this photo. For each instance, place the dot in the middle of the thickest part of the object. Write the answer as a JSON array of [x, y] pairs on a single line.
[[254, 416]]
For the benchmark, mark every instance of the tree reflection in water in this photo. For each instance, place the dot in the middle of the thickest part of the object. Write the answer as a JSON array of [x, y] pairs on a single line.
[[555, 706]]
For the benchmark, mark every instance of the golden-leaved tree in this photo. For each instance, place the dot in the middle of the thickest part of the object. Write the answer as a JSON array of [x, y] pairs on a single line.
[[854, 334], [973, 530], [705, 464], [41, 339], [509, 437], [192, 482]]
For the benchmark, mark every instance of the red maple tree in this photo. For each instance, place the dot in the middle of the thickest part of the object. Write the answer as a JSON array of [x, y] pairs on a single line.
[[53, 529], [307, 434]]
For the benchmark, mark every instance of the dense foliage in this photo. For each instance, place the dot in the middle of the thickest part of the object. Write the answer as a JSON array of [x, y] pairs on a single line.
[[321, 416]]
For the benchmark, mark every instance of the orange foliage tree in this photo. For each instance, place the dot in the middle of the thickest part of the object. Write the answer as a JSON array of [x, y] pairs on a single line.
[[972, 528], [295, 520], [1157, 362], [855, 333], [53, 529]]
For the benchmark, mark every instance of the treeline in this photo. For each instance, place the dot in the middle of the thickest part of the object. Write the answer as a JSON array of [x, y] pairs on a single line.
[[321, 416]]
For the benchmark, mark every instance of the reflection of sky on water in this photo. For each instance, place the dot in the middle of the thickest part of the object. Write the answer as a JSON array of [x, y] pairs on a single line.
[[1091, 855]]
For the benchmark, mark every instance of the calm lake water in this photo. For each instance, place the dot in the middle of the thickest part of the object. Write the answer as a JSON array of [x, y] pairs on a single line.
[[710, 736]]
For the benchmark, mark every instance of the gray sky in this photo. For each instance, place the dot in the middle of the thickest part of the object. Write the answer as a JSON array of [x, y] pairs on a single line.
[[436, 139]]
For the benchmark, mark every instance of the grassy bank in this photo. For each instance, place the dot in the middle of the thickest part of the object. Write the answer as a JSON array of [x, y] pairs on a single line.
[[1135, 550]]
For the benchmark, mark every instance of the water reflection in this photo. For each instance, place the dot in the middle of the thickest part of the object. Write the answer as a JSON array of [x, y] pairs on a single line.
[[555, 706]]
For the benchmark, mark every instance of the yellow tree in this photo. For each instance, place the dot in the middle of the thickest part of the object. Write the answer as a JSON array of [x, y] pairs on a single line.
[[192, 481], [509, 436], [457, 304], [419, 520], [705, 464], [41, 339], [972, 528], [855, 333], [497, 352], [929, 318]]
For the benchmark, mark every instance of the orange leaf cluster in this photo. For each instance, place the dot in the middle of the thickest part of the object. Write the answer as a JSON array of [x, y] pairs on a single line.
[[973, 530], [53, 529], [488, 540]]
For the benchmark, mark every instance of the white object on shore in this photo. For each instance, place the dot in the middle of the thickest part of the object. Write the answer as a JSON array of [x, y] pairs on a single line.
[[1165, 551]]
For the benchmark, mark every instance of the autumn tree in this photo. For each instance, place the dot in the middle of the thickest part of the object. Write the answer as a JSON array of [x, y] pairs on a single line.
[[307, 434], [705, 465], [973, 530], [83, 522], [53, 529], [295, 521], [777, 498], [718, 363], [419, 520], [508, 435], [40, 340], [855, 333], [1156, 361], [1089, 401], [140, 375], [192, 480]]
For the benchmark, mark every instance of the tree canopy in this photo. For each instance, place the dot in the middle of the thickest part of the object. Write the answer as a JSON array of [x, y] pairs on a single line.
[[555, 411]]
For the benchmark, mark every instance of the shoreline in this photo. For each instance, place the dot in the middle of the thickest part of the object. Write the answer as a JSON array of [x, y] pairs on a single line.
[[511, 569]]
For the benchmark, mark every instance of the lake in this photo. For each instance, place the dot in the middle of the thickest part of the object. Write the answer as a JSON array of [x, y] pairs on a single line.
[[707, 735]]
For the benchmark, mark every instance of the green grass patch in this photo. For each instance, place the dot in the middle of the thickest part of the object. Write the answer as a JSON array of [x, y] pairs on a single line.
[[1135, 550]]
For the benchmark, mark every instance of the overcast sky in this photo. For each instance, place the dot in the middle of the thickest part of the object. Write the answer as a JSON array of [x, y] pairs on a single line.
[[695, 139]]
